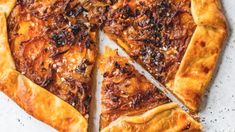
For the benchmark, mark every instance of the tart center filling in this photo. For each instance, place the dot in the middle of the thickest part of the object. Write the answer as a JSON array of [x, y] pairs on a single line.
[[156, 33], [53, 42], [54, 45], [125, 91]]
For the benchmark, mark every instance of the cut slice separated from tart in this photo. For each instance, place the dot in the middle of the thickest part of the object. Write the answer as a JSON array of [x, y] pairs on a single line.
[[177, 41], [132, 103], [54, 46], [48, 49]]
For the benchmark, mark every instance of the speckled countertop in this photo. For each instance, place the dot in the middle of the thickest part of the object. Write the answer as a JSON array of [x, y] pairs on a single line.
[[217, 114], [219, 111]]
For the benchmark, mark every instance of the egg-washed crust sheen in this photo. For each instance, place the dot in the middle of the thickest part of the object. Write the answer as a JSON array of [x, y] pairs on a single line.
[[124, 90], [178, 42], [6, 60], [165, 118], [188, 82], [201, 57], [34, 99], [54, 45]]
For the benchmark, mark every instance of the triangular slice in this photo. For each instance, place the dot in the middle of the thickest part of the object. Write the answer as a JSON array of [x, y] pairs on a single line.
[[54, 46], [131, 103], [177, 41]]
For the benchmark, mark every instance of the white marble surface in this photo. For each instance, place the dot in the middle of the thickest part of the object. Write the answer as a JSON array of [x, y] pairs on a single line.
[[218, 114]]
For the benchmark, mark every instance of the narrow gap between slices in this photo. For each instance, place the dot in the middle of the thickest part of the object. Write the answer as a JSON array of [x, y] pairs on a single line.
[[142, 70], [95, 102], [105, 41]]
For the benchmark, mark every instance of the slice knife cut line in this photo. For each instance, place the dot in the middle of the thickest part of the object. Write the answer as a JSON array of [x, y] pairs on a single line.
[[94, 119]]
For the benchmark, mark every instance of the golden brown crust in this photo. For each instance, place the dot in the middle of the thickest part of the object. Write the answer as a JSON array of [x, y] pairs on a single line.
[[200, 59], [197, 67], [154, 33], [31, 97], [192, 77], [208, 13], [6, 60], [164, 118], [40, 103], [124, 90], [54, 47], [189, 80]]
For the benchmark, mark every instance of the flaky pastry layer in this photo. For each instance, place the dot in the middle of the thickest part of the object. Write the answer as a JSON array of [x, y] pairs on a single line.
[[165, 118], [189, 80], [34, 99]]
